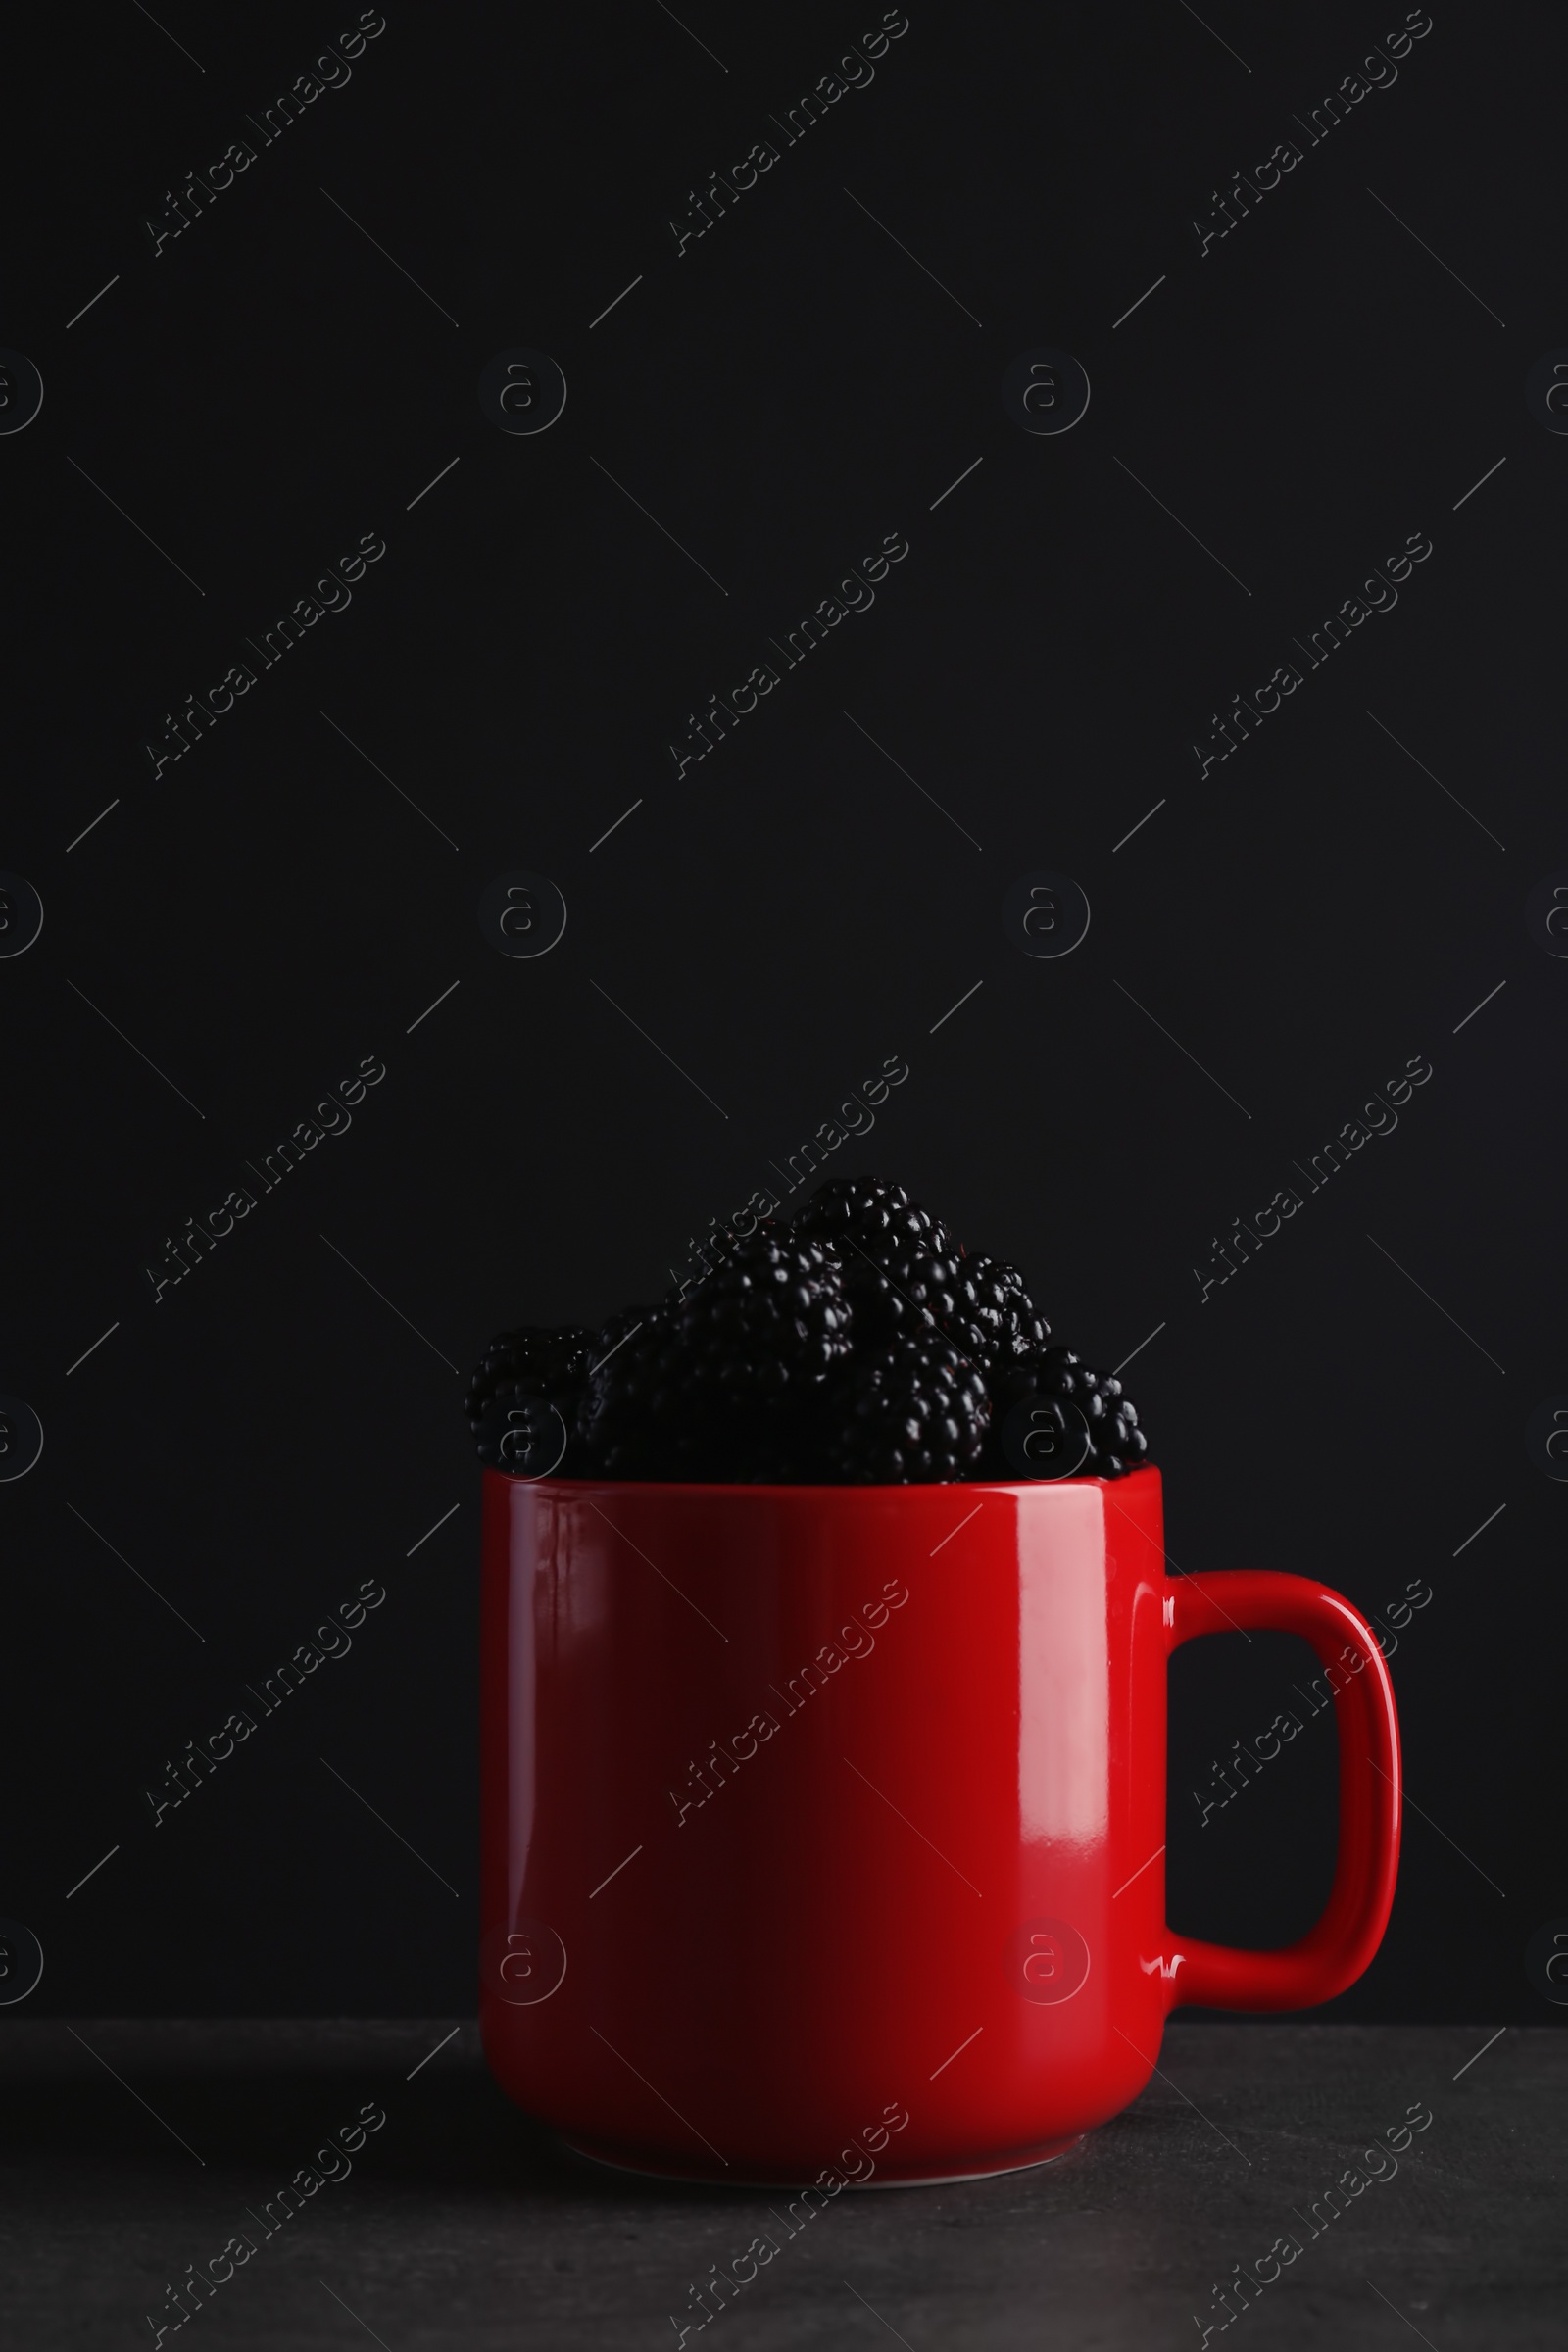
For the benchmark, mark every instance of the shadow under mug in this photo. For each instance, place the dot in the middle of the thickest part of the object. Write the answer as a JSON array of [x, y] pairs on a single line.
[[823, 1827]]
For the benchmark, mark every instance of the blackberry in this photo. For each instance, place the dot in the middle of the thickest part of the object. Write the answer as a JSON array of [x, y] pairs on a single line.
[[722, 1384], [610, 1337], [771, 1316], [1092, 1402], [547, 1362], [997, 1321], [858, 1344], [908, 1294], [621, 1358], [979, 1304], [911, 1413], [867, 1217], [626, 1422]]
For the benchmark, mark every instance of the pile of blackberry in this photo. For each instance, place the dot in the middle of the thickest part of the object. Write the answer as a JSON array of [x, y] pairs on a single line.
[[859, 1344]]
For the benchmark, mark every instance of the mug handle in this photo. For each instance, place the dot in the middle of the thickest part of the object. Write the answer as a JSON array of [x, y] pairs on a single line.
[[1334, 1953]]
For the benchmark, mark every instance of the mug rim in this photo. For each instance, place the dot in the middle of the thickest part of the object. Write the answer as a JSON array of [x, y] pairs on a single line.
[[761, 1487]]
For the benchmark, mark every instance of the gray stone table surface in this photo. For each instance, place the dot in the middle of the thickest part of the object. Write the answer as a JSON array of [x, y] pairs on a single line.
[[133, 2150]]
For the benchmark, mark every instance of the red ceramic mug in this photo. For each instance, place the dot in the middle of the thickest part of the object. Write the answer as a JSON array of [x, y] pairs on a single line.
[[823, 1827]]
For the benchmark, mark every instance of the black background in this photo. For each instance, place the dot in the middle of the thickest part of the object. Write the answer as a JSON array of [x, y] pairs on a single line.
[[780, 395]]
